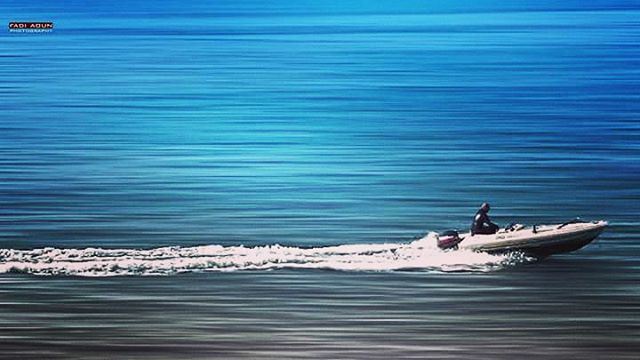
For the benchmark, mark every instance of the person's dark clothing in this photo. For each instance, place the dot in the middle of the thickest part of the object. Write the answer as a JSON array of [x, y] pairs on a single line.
[[482, 224]]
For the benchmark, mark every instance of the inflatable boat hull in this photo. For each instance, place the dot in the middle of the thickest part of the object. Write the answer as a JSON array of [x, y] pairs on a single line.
[[539, 241]]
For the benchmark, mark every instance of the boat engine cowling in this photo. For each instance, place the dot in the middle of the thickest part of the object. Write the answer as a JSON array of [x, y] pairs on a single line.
[[448, 240]]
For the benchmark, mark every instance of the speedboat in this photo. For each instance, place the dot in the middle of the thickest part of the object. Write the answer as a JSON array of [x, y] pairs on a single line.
[[537, 240]]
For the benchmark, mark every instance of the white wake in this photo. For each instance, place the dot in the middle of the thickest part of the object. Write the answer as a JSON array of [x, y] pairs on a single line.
[[422, 255]]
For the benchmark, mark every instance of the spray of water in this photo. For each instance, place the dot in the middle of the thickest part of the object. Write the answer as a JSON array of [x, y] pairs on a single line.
[[421, 255]]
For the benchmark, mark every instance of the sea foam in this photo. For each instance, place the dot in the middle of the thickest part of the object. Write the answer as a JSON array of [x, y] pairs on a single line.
[[420, 255]]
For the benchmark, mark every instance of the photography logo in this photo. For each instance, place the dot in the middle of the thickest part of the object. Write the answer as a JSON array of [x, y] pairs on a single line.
[[30, 26]]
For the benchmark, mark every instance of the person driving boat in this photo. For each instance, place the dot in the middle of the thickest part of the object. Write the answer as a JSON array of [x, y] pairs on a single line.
[[481, 223]]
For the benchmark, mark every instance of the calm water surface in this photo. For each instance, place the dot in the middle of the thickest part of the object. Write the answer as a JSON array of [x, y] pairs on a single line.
[[309, 125]]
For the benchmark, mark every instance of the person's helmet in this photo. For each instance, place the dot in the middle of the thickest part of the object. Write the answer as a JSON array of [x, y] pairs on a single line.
[[485, 206]]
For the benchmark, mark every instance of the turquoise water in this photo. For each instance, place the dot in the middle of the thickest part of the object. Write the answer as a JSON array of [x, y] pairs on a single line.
[[307, 125]]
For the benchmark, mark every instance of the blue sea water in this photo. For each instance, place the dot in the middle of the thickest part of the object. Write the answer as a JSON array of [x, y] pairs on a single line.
[[167, 132]]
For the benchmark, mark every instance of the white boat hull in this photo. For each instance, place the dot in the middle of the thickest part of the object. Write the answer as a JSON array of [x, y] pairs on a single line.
[[542, 241]]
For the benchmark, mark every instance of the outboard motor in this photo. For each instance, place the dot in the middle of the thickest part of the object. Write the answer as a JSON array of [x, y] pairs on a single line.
[[449, 240]]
